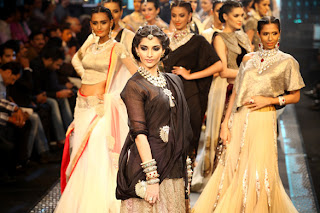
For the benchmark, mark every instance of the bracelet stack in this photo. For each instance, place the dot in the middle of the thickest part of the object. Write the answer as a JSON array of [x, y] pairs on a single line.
[[189, 169], [150, 169], [282, 100]]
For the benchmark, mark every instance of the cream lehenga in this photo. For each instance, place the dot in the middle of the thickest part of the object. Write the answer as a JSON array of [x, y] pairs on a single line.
[[93, 144], [247, 177]]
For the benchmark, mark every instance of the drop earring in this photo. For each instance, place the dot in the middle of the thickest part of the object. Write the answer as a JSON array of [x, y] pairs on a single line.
[[276, 47], [93, 33], [110, 32]]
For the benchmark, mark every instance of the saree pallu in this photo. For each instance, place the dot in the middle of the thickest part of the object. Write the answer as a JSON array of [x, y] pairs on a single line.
[[247, 177], [90, 159]]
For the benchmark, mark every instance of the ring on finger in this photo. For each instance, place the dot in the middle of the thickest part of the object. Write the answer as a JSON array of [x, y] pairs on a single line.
[[150, 199], [251, 101], [180, 67]]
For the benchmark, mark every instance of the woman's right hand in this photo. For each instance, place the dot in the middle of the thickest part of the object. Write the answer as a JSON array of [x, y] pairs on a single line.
[[152, 192], [225, 134]]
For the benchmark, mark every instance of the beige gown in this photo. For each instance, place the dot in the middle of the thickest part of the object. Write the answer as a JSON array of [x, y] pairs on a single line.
[[247, 177]]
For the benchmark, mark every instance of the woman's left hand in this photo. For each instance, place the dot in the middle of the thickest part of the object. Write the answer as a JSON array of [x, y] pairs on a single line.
[[257, 102], [181, 71]]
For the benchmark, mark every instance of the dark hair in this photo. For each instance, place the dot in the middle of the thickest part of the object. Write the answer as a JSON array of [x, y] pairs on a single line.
[[54, 42], [119, 2], [64, 26], [143, 32], [227, 7], [101, 9], [54, 53], [15, 67], [246, 3], [52, 28], [184, 4], [34, 34], [13, 44], [215, 3], [155, 2], [268, 20]]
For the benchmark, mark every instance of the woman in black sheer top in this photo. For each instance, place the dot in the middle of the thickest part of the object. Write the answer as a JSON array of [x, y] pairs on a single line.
[[152, 163]]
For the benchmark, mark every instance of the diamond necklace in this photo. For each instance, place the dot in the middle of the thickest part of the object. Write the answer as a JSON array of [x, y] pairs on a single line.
[[158, 81], [263, 59]]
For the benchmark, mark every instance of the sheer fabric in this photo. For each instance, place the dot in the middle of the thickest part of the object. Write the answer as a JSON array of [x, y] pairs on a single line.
[[247, 177], [88, 174], [149, 110]]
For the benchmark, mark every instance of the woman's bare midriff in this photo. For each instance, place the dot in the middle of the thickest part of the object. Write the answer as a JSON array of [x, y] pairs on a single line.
[[93, 90]]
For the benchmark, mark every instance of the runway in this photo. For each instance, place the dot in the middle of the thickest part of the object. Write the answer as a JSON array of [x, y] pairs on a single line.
[[293, 169]]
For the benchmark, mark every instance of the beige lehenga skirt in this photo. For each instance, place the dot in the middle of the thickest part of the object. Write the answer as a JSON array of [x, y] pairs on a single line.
[[172, 199], [247, 177]]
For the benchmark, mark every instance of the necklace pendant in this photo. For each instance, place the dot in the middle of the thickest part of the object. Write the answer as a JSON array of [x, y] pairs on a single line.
[[170, 96]]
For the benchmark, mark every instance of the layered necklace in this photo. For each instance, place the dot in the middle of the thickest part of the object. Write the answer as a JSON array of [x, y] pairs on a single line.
[[263, 59], [158, 81], [179, 38]]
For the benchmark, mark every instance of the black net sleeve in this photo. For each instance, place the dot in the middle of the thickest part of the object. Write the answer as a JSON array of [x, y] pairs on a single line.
[[134, 96]]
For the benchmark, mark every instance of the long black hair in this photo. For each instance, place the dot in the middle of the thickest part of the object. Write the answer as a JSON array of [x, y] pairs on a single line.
[[144, 32]]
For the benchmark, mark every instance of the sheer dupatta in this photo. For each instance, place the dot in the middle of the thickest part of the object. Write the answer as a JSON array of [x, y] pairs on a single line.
[[166, 156], [114, 115]]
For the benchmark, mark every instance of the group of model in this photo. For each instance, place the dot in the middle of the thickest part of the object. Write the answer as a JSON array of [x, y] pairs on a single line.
[[142, 103]]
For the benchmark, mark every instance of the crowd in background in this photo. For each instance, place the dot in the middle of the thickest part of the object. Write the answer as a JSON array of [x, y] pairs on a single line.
[[38, 85]]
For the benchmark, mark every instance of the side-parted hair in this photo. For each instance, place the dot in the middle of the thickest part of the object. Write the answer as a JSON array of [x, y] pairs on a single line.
[[143, 32], [227, 7], [268, 20]]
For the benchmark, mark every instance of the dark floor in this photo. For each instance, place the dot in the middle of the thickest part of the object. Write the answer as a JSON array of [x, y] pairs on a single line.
[[29, 188]]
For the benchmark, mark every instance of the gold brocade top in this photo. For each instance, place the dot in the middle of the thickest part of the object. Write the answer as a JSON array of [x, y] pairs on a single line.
[[92, 60], [233, 41], [282, 75]]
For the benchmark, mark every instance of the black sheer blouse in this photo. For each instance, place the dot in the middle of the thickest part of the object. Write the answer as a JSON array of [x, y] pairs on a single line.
[[149, 110]]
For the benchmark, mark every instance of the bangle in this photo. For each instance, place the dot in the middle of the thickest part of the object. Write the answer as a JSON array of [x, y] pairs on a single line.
[[150, 169], [148, 163], [153, 181], [282, 100]]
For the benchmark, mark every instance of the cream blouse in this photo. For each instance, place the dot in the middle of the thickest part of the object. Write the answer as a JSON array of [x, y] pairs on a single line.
[[282, 75], [92, 60]]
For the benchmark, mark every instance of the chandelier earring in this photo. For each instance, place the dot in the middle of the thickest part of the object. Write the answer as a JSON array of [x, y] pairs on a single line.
[[260, 46]]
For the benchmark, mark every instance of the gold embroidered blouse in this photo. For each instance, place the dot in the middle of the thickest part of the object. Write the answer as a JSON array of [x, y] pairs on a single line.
[[283, 75]]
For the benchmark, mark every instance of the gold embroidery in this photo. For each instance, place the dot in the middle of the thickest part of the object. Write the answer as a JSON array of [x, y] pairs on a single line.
[[245, 190], [267, 186], [257, 185]]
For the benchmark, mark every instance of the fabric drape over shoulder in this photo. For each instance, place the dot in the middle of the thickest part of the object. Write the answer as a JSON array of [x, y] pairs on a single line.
[[149, 110]]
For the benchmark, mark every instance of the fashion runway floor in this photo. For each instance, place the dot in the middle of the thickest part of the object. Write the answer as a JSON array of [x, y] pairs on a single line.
[[293, 169]]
